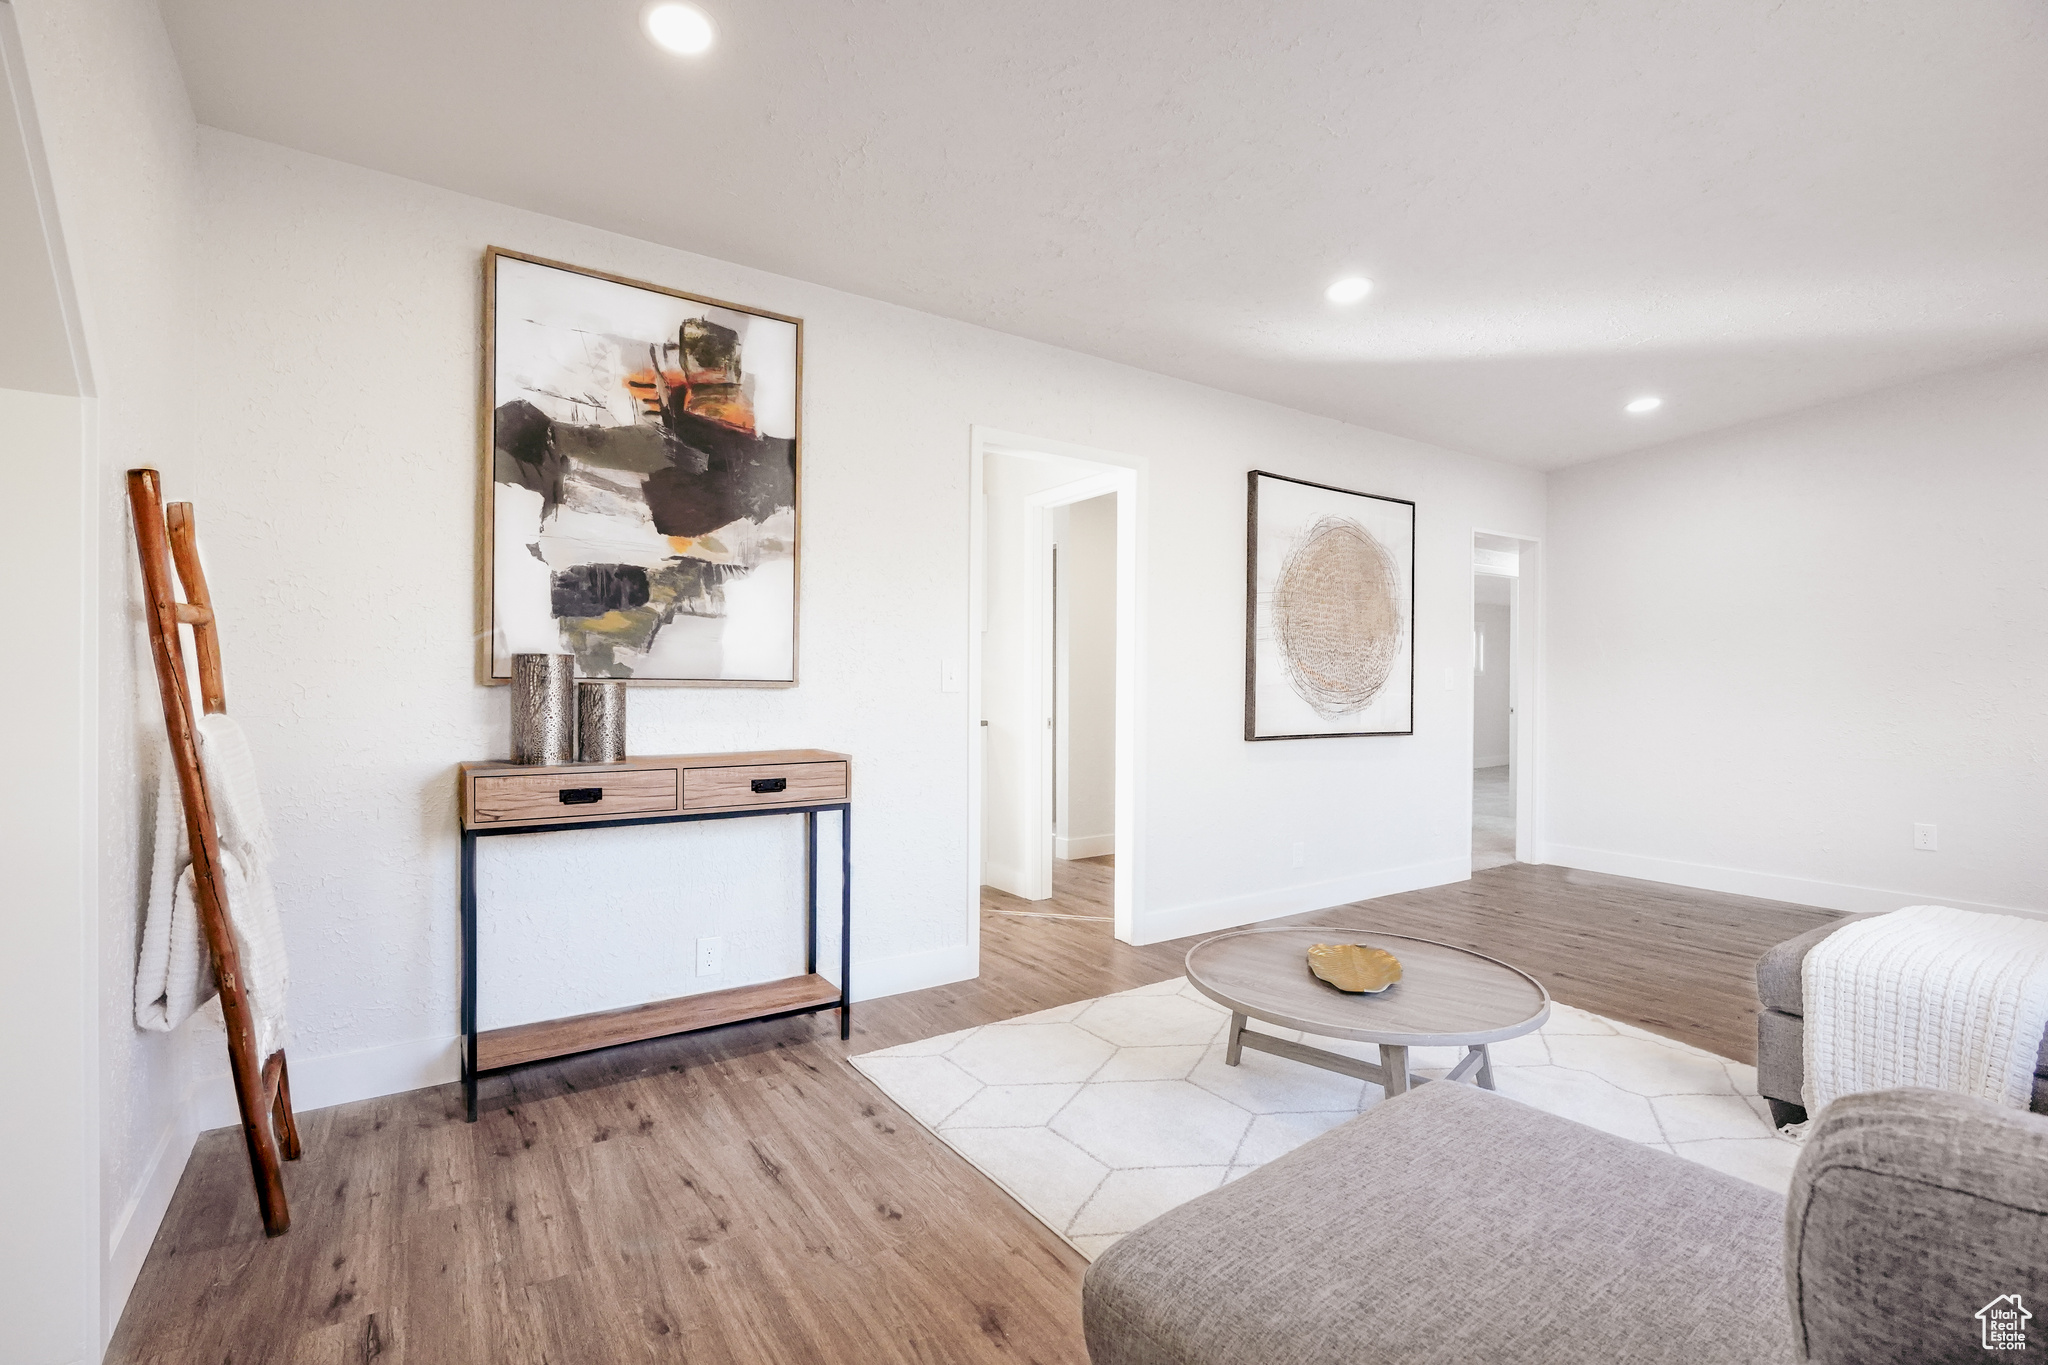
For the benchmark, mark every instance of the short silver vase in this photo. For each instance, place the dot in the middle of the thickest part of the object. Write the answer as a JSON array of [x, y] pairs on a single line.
[[543, 708], [601, 721]]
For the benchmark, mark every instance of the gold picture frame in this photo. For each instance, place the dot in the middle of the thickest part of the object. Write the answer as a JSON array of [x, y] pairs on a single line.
[[629, 471]]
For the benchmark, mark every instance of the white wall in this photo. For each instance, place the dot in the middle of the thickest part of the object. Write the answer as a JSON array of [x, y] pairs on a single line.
[[1490, 697], [49, 1180], [339, 319], [120, 142], [49, 1147], [1773, 651], [1085, 800]]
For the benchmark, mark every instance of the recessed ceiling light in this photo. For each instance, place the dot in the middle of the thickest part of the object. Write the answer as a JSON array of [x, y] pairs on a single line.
[[678, 28], [1644, 404], [1350, 289]]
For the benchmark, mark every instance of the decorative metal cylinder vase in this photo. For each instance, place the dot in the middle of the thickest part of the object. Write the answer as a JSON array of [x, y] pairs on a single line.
[[601, 721], [543, 708]]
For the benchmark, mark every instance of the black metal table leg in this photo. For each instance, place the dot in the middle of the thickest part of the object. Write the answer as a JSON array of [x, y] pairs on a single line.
[[469, 973], [846, 921], [810, 892]]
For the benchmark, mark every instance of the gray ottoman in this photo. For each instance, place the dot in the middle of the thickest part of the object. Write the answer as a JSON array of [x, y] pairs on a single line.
[[1452, 1224], [1781, 1028]]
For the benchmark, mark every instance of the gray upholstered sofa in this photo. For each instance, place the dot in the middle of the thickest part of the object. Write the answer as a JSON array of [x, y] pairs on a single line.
[[1781, 1026], [1455, 1225]]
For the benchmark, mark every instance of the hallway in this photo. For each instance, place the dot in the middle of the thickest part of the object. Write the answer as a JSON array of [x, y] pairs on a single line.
[[1493, 818]]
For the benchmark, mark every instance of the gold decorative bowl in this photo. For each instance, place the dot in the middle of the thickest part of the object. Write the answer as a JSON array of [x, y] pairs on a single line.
[[1353, 967]]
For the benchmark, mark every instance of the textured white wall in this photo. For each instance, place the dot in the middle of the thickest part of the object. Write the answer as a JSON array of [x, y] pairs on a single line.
[[35, 345], [596, 919], [338, 318], [1773, 651], [1086, 534], [120, 140]]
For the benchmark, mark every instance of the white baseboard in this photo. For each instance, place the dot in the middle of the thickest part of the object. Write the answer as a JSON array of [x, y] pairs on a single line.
[[1206, 917], [1083, 846], [339, 1078], [882, 976], [1763, 885], [134, 1231]]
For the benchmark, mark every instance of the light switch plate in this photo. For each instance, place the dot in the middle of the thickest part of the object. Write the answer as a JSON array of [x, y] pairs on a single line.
[[1924, 838], [710, 956]]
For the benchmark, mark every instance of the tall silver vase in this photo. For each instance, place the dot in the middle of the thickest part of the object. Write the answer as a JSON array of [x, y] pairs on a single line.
[[543, 708], [601, 721]]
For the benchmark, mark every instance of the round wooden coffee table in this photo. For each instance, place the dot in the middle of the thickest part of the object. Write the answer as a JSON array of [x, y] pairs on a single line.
[[1446, 997]]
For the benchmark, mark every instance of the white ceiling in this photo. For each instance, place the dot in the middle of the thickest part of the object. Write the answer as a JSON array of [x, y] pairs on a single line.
[[1746, 206]]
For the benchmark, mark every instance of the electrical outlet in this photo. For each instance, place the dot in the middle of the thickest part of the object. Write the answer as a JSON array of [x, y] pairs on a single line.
[[710, 956], [1924, 840], [1300, 854], [949, 675]]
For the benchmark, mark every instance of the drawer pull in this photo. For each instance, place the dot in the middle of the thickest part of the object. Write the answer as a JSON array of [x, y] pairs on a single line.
[[580, 796], [771, 784]]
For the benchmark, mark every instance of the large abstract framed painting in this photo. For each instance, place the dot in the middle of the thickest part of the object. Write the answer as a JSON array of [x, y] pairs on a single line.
[[1329, 612], [641, 458]]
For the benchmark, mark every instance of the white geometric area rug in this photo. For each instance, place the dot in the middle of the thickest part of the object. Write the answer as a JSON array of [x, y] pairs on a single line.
[[1101, 1115]]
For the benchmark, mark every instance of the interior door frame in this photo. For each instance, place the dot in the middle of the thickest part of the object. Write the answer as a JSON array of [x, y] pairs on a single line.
[[1125, 476], [1040, 508]]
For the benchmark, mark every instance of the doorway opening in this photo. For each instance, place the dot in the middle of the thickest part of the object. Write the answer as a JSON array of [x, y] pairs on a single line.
[[1054, 648], [1500, 675]]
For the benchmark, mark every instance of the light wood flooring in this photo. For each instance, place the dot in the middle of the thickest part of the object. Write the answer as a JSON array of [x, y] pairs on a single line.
[[1081, 889], [744, 1195]]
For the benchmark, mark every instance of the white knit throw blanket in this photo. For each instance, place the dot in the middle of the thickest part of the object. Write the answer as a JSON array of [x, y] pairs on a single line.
[[174, 969], [1927, 996]]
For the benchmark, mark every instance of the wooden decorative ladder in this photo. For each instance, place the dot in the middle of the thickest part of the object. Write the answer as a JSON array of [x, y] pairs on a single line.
[[262, 1089]]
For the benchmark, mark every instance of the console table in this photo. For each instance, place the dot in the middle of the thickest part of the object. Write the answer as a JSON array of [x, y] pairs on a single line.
[[526, 798]]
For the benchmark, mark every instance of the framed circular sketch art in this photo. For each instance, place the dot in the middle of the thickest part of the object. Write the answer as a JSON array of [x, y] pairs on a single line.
[[1329, 612]]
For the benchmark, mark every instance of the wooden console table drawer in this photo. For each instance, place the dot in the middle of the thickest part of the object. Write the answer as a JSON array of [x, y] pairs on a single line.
[[590, 794], [763, 784]]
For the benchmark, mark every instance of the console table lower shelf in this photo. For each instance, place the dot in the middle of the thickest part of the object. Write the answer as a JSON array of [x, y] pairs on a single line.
[[500, 798], [521, 1043]]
